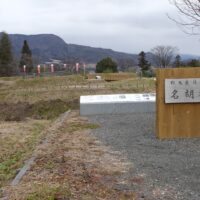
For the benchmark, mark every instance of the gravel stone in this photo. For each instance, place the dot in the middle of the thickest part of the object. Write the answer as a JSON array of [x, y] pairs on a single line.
[[171, 168]]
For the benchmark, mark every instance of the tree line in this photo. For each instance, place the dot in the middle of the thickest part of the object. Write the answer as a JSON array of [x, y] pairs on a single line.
[[8, 66], [162, 56]]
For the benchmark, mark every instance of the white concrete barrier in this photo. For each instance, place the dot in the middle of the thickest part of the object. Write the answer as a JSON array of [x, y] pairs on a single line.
[[117, 103]]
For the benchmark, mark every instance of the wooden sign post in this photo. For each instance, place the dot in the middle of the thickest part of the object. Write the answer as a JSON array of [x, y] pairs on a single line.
[[178, 103]]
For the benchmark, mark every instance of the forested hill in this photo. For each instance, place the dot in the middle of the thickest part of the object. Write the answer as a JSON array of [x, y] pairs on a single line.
[[48, 46]]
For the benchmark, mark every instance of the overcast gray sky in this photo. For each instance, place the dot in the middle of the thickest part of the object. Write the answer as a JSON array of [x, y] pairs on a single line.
[[122, 25]]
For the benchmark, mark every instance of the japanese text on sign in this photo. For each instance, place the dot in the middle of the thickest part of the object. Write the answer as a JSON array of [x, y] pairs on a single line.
[[182, 90]]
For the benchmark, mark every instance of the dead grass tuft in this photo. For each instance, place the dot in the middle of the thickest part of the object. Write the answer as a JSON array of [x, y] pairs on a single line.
[[71, 156], [17, 141]]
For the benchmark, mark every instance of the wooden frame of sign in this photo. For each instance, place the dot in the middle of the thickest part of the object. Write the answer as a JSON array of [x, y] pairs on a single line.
[[178, 103]]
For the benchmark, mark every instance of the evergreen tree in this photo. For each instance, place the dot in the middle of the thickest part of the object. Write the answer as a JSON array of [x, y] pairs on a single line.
[[6, 57], [106, 65], [177, 62], [26, 58], [142, 62], [193, 63]]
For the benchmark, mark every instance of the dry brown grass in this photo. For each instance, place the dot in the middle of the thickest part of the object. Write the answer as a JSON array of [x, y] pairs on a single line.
[[66, 88], [17, 141], [112, 76], [73, 165]]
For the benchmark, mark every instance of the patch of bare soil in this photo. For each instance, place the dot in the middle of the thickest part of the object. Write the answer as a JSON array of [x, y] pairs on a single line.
[[13, 112], [72, 164], [49, 109]]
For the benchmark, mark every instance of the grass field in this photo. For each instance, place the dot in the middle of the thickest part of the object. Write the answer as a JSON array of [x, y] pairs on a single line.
[[17, 141], [28, 107], [66, 88], [73, 165]]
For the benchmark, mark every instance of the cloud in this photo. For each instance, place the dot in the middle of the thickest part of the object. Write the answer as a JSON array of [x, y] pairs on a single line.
[[128, 25]]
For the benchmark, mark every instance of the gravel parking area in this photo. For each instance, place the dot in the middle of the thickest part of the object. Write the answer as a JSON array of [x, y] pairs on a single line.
[[170, 168]]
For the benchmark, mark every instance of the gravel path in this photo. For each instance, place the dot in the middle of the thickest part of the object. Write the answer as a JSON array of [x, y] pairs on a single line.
[[171, 167]]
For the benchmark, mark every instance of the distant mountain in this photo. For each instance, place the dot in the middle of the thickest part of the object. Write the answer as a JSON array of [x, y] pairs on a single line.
[[45, 47], [48, 46], [185, 57]]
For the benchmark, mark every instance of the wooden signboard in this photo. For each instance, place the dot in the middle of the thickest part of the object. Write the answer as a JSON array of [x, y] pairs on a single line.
[[178, 103], [182, 90]]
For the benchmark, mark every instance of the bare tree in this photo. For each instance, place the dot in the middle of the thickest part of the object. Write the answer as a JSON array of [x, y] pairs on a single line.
[[189, 15], [164, 55]]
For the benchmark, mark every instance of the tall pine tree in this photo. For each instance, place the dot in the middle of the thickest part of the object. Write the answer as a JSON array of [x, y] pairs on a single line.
[[26, 58], [6, 58], [142, 62], [177, 62]]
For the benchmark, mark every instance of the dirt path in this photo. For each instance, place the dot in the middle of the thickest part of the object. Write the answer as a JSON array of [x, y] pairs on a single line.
[[30, 162], [71, 164]]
